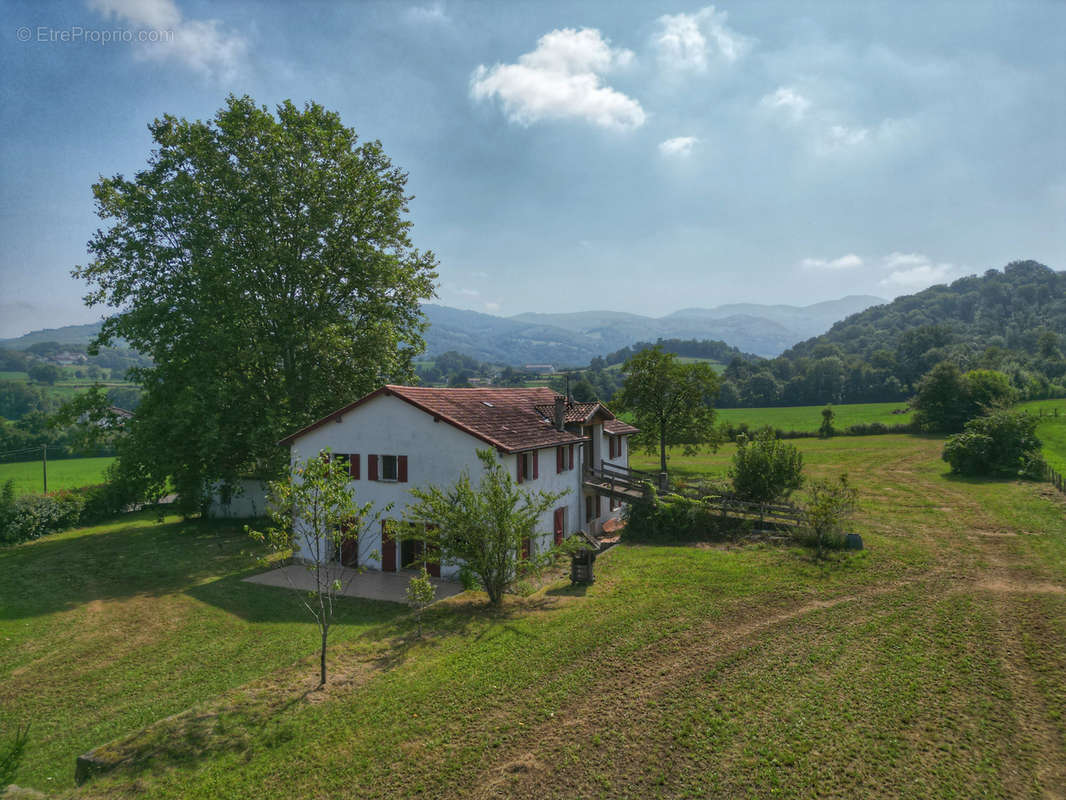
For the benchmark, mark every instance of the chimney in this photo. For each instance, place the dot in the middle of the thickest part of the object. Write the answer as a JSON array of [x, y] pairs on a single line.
[[560, 412]]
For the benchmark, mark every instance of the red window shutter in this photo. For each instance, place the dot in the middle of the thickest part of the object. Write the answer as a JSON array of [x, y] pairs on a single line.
[[571, 456], [353, 466], [536, 469], [401, 468], [371, 467], [525, 549], [559, 521], [559, 459], [520, 459]]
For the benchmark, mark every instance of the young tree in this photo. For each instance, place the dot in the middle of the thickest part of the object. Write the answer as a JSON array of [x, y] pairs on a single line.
[[263, 263], [672, 403], [828, 504], [765, 468], [314, 511], [825, 430], [420, 593], [486, 526]]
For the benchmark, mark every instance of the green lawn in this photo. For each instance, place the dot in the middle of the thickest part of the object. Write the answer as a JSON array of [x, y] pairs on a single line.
[[67, 473], [104, 630], [932, 664], [809, 418]]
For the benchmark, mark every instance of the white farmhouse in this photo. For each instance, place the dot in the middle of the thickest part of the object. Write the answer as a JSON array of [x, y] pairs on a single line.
[[399, 437]]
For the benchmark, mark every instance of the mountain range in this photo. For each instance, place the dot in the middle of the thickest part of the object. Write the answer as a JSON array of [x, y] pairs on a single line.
[[573, 339]]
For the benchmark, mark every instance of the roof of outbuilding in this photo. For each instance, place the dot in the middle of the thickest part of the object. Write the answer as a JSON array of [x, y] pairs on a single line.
[[509, 419]]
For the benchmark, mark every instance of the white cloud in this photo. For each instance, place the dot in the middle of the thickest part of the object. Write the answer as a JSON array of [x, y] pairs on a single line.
[[688, 42], [432, 14], [492, 308], [915, 271], [479, 274], [561, 79], [468, 292], [787, 101], [201, 45], [678, 147], [849, 261], [845, 136]]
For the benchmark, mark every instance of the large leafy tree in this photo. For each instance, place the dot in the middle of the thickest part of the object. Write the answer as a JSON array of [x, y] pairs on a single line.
[[671, 402], [264, 263]]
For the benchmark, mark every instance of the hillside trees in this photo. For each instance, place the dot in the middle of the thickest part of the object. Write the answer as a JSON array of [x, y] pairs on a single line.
[[263, 263], [672, 403]]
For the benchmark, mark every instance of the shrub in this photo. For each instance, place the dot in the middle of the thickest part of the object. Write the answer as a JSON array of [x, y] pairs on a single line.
[[1000, 443], [765, 468], [828, 504], [32, 516], [673, 518]]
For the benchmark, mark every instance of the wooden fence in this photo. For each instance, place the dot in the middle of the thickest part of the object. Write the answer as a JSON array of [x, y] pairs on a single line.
[[1055, 478], [729, 506]]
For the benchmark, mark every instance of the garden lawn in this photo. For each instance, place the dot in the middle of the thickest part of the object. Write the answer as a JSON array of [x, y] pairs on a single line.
[[104, 630], [66, 473], [809, 418], [931, 664]]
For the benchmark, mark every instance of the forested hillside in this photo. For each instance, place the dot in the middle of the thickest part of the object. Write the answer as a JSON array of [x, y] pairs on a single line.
[[1011, 320]]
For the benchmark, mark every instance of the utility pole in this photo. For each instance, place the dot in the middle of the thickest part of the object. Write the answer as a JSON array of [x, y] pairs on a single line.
[[44, 465]]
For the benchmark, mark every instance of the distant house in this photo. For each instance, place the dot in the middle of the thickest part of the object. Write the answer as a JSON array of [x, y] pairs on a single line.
[[403, 436], [540, 369]]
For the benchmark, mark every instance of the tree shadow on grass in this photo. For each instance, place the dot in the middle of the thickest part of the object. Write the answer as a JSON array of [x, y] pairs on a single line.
[[137, 556]]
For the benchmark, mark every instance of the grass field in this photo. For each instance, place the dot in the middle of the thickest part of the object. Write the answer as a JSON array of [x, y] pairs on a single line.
[[67, 473], [809, 418], [932, 664], [104, 630]]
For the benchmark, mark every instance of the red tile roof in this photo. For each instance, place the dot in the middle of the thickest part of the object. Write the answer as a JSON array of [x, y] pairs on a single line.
[[619, 428], [509, 419]]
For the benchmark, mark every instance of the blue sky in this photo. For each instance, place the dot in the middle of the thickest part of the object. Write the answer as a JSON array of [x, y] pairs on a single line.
[[640, 157]]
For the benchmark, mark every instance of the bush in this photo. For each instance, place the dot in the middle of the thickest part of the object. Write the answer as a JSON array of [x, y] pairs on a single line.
[[828, 504], [673, 518], [31, 516], [765, 468], [1002, 443]]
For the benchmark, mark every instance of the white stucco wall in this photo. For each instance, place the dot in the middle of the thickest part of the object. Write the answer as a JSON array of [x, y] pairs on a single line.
[[437, 454], [249, 499]]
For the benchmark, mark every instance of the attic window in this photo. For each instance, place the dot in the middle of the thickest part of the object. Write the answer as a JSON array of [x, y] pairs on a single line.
[[487, 403]]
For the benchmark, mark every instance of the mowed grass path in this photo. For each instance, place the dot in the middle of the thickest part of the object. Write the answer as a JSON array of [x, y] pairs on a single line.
[[931, 664], [67, 473], [104, 630]]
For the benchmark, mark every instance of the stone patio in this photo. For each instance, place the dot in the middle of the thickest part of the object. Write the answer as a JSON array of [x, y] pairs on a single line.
[[372, 585]]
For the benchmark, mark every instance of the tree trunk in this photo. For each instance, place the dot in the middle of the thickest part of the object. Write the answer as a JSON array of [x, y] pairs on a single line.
[[322, 674], [662, 448]]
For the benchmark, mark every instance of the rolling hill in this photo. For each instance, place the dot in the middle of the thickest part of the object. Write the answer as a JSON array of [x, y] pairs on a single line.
[[574, 339]]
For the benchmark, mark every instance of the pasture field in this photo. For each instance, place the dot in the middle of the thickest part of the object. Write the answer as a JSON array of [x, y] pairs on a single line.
[[66, 473], [106, 629], [930, 664], [809, 418]]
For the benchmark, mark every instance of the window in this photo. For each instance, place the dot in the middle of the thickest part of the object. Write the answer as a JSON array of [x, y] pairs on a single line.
[[389, 470], [386, 468], [527, 468]]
